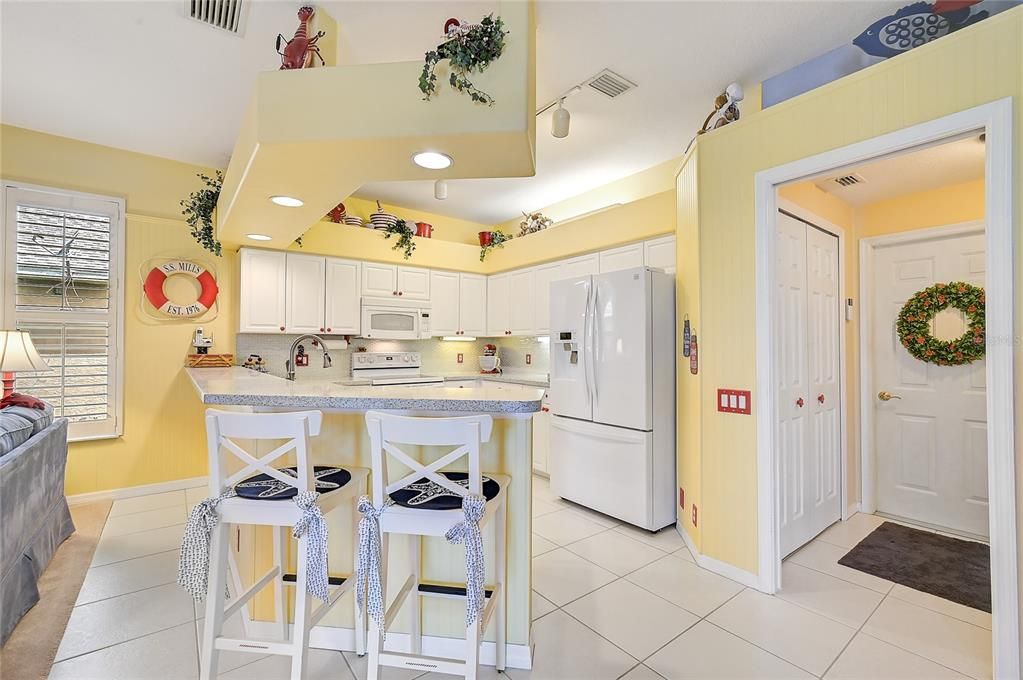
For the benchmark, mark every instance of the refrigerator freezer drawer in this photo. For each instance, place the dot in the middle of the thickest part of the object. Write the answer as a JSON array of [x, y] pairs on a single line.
[[604, 468]]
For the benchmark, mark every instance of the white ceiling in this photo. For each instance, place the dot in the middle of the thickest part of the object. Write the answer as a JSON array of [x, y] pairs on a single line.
[[142, 76], [924, 169]]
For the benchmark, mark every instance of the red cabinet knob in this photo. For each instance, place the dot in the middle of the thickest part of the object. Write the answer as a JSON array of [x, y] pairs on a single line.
[[328, 330], [400, 293], [544, 409], [799, 402], [321, 329], [394, 292], [820, 398], [282, 328]]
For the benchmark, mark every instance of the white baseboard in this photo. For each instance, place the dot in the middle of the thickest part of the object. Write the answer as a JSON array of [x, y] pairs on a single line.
[[851, 510], [343, 640], [133, 491], [717, 566]]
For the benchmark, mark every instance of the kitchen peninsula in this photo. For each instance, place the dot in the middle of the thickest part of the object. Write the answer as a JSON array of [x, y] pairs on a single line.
[[344, 441]]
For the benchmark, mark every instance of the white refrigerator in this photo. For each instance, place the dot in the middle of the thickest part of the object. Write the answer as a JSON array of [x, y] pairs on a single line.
[[612, 394]]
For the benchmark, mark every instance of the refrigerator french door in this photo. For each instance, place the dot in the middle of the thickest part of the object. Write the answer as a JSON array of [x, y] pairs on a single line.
[[612, 394]]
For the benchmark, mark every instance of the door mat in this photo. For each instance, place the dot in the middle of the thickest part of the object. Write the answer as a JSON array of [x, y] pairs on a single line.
[[947, 567]]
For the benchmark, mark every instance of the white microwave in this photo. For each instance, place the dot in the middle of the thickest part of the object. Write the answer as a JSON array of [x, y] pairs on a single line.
[[388, 319]]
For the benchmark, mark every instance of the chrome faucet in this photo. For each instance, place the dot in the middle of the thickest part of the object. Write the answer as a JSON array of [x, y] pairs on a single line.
[[317, 340]]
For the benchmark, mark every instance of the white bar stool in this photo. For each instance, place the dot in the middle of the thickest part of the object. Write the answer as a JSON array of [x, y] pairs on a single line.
[[429, 502], [263, 495]]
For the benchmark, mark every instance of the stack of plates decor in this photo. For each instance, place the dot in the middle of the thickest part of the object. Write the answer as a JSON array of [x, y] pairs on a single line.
[[353, 221], [381, 219], [337, 214]]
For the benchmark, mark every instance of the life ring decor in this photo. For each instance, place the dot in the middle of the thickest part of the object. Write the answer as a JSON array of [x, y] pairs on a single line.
[[914, 324], [158, 275]]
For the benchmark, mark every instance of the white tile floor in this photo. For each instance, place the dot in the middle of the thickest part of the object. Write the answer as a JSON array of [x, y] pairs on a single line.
[[609, 602]]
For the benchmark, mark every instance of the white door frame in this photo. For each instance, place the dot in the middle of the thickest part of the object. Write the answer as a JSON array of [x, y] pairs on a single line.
[[995, 119], [868, 249]]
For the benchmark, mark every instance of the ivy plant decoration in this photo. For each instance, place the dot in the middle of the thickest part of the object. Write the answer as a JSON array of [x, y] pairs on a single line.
[[497, 239], [468, 49], [199, 209], [404, 232], [914, 324]]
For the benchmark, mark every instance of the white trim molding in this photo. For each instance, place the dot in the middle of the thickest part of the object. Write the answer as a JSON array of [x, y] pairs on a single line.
[[725, 569], [995, 119], [133, 491]]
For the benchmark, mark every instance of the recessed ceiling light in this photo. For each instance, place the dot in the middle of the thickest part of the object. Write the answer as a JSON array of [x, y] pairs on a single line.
[[432, 160], [259, 237], [287, 201]]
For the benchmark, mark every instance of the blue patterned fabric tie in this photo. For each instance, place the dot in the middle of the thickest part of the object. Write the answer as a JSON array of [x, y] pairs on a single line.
[[468, 533], [312, 523], [368, 590], [194, 562]]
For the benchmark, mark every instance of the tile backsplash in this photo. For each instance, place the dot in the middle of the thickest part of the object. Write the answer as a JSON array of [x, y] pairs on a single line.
[[438, 356]]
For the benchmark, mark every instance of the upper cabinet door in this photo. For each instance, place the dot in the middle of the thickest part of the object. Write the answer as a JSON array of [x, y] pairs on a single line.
[[660, 253], [472, 308], [379, 280], [304, 301], [444, 307], [585, 265], [414, 283], [542, 277], [342, 307], [497, 305], [625, 257], [521, 312], [262, 291]]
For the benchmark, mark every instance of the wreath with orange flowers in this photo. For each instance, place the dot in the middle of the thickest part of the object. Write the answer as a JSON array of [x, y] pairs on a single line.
[[914, 324]]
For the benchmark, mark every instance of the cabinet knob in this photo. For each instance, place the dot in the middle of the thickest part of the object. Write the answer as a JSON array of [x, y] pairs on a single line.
[[820, 398], [545, 409], [394, 292], [282, 328], [328, 330], [321, 329], [799, 402], [400, 293]]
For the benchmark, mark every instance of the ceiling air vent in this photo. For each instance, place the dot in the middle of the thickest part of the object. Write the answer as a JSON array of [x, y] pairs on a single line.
[[610, 84], [848, 180], [223, 14]]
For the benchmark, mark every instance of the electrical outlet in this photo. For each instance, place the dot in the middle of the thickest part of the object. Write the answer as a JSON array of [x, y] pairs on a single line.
[[461, 357], [529, 359], [694, 514], [682, 498]]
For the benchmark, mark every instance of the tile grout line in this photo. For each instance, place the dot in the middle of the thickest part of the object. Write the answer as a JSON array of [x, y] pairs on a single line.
[[858, 630], [121, 642]]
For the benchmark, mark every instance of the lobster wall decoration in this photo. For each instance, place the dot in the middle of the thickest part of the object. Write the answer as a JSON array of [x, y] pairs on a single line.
[[301, 49]]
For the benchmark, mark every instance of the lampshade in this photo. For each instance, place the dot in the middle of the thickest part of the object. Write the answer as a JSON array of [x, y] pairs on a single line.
[[17, 353]]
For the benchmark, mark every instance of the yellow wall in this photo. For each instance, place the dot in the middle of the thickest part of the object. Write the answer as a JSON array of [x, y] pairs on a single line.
[[164, 438], [972, 67]]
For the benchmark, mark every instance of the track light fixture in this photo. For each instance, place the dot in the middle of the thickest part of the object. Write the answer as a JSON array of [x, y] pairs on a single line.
[[560, 121], [440, 189]]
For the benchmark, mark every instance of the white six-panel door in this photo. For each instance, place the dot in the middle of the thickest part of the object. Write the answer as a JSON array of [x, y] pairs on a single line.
[[807, 325], [930, 438]]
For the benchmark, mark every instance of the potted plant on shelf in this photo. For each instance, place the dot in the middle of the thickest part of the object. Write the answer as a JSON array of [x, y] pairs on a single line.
[[199, 210], [468, 48], [404, 232], [490, 240]]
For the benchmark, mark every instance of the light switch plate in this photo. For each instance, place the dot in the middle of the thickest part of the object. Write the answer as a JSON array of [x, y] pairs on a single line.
[[461, 357]]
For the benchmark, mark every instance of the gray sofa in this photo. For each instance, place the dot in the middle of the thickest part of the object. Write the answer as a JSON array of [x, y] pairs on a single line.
[[34, 515]]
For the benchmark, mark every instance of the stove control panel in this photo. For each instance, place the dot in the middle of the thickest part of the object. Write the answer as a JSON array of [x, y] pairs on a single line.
[[385, 360]]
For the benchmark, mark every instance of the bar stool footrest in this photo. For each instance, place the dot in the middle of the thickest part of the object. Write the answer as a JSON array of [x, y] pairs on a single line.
[[438, 589], [332, 581]]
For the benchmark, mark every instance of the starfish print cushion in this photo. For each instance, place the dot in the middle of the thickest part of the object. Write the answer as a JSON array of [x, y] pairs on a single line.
[[429, 495], [263, 487]]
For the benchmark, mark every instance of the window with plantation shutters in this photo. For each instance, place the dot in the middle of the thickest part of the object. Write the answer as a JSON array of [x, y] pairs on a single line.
[[63, 258]]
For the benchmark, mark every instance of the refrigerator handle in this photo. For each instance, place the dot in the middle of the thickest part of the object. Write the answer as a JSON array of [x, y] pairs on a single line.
[[586, 344], [593, 344]]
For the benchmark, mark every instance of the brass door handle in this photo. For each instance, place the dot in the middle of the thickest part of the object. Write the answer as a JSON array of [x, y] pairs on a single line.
[[887, 396]]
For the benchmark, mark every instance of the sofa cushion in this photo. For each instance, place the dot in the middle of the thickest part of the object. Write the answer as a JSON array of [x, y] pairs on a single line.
[[40, 418], [14, 431]]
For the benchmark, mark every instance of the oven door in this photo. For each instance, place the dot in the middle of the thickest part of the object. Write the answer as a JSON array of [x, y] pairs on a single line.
[[390, 323]]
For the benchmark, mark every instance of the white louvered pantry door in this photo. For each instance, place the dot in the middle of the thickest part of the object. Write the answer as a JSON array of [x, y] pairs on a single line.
[[807, 324]]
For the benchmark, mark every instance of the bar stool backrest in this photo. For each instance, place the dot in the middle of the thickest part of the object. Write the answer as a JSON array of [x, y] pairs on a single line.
[[388, 431], [223, 428]]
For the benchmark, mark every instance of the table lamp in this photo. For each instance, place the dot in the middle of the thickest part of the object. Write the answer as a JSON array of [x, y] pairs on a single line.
[[18, 354]]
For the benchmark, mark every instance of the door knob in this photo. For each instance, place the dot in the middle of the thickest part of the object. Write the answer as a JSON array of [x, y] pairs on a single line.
[[820, 398], [887, 396], [799, 402]]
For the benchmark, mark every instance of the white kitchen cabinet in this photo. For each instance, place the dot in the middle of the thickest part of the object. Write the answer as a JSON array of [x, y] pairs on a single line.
[[262, 291], [625, 257], [414, 283], [342, 312], [379, 280], [584, 265], [305, 286], [444, 307], [472, 304], [521, 309], [542, 277], [541, 438], [660, 253], [497, 305]]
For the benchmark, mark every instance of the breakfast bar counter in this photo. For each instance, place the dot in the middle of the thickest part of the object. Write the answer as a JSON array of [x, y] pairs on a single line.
[[344, 440]]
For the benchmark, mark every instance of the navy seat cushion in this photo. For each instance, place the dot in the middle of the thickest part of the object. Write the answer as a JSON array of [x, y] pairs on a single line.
[[428, 495], [41, 418], [14, 431], [263, 487]]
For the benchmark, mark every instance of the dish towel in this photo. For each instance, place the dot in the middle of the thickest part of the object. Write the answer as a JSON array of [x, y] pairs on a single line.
[[313, 523], [368, 592], [468, 533], [194, 562]]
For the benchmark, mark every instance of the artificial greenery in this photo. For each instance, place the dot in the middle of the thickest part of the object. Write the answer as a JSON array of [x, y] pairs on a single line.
[[471, 49], [404, 232], [914, 324], [497, 240], [199, 208]]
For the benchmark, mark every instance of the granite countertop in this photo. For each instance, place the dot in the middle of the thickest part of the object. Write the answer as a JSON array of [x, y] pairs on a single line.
[[239, 386], [513, 377]]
